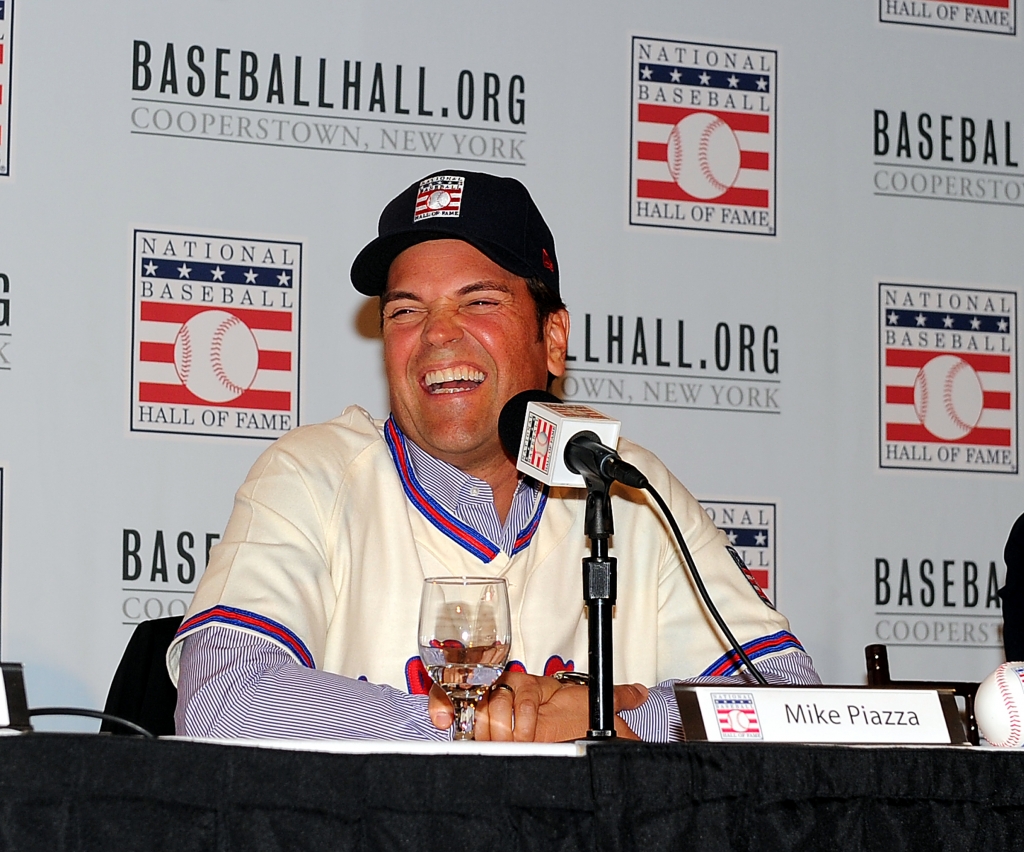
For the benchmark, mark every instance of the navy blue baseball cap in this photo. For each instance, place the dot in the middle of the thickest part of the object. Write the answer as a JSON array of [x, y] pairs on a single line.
[[493, 214]]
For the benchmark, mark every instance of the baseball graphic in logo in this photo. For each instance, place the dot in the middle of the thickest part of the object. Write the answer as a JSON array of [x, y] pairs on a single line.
[[216, 356], [947, 378], [948, 397], [703, 155], [439, 200], [703, 136], [215, 335], [440, 195]]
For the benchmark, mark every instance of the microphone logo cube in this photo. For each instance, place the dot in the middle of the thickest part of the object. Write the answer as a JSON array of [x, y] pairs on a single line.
[[548, 428], [540, 440]]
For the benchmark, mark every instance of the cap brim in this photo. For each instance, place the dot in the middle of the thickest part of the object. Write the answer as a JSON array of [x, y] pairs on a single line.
[[369, 272]]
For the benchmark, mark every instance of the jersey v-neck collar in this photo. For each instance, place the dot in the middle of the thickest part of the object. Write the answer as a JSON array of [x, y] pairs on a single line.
[[436, 514]]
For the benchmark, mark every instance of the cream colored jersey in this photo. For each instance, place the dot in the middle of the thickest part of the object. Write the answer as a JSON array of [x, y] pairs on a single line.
[[331, 536]]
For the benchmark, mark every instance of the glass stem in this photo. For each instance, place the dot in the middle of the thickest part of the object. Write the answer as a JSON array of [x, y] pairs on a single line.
[[465, 717]]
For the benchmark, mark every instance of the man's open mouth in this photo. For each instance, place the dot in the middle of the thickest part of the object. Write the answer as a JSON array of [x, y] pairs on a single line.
[[453, 379]]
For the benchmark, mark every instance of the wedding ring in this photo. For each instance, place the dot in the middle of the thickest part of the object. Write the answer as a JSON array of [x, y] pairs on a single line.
[[498, 686]]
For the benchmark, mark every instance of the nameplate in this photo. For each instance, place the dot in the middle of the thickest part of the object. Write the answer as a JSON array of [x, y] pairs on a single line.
[[794, 714]]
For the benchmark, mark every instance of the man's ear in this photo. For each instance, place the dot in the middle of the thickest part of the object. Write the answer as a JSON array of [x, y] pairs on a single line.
[[556, 340]]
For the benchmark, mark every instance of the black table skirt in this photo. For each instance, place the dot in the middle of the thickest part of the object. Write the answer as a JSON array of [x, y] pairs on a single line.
[[83, 792]]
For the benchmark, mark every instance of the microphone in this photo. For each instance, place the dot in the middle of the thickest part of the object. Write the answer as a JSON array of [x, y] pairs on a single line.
[[563, 444]]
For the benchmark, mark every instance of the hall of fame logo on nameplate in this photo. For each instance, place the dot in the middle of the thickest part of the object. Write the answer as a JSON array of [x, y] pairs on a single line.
[[736, 714], [982, 16], [215, 335], [947, 378], [703, 136], [750, 528], [6, 59]]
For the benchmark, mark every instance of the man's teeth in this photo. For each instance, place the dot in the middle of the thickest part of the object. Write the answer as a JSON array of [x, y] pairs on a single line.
[[461, 373]]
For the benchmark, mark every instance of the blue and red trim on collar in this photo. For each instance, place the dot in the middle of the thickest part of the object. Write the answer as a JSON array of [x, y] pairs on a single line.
[[730, 663], [234, 617], [459, 532]]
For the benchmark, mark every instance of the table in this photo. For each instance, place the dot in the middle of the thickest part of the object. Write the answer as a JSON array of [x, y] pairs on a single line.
[[86, 792]]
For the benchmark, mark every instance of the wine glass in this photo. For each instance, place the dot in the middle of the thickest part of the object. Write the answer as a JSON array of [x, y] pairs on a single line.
[[465, 633]]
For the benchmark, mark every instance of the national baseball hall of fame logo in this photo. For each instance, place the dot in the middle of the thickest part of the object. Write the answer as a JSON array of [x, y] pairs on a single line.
[[750, 528], [215, 335], [947, 378], [6, 37], [703, 137], [737, 716]]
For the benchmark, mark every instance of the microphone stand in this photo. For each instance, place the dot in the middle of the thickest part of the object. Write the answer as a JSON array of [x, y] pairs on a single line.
[[599, 590]]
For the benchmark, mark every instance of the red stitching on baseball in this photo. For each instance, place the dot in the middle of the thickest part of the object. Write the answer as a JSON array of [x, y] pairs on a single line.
[[215, 354], [705, 142], [947, 396], [186, 353], [1010, 704], [923, 413]]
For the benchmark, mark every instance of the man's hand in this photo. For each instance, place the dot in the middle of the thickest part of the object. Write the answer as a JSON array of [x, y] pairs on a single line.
[[539, 709]]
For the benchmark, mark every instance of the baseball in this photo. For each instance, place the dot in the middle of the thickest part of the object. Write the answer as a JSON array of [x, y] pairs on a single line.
[[999, 705], [738, 720], [216, 356], [703, 155], [438, 199], [948, 397]]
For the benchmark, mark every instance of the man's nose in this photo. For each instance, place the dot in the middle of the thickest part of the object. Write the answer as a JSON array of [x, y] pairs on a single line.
[[442, 327]]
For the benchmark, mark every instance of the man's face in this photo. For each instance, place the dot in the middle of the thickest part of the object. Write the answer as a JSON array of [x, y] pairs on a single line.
[[461, 339]]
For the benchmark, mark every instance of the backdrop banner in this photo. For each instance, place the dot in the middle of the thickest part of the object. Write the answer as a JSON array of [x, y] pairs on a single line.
[[789, 239]]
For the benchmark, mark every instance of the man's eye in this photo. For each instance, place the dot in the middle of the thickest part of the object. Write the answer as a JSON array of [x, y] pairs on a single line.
[[399, 313]]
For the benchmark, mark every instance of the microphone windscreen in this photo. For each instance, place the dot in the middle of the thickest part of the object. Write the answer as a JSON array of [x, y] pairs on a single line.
[[513, 416]]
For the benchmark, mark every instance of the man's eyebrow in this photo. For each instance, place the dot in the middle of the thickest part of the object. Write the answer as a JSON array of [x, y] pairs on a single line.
[[481, 286], [475, 287], [398, 294]]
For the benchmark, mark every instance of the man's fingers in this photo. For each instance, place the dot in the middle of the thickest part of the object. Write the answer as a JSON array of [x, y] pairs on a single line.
[[629, 696], [528, 700], [496, 716], [439, 707]]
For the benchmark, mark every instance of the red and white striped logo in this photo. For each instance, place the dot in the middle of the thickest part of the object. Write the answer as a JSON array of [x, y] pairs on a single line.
[[737, 716], [439, 196], [540, 439], [215, 349], [948, 378], [703, 137]]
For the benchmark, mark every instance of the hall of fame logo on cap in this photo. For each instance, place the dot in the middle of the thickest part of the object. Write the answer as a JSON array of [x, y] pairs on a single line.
[[215, 335], [984, 16], [439, 196], [947, 378], [6, 39], [750, 528], [737, 715], [703, 136]]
